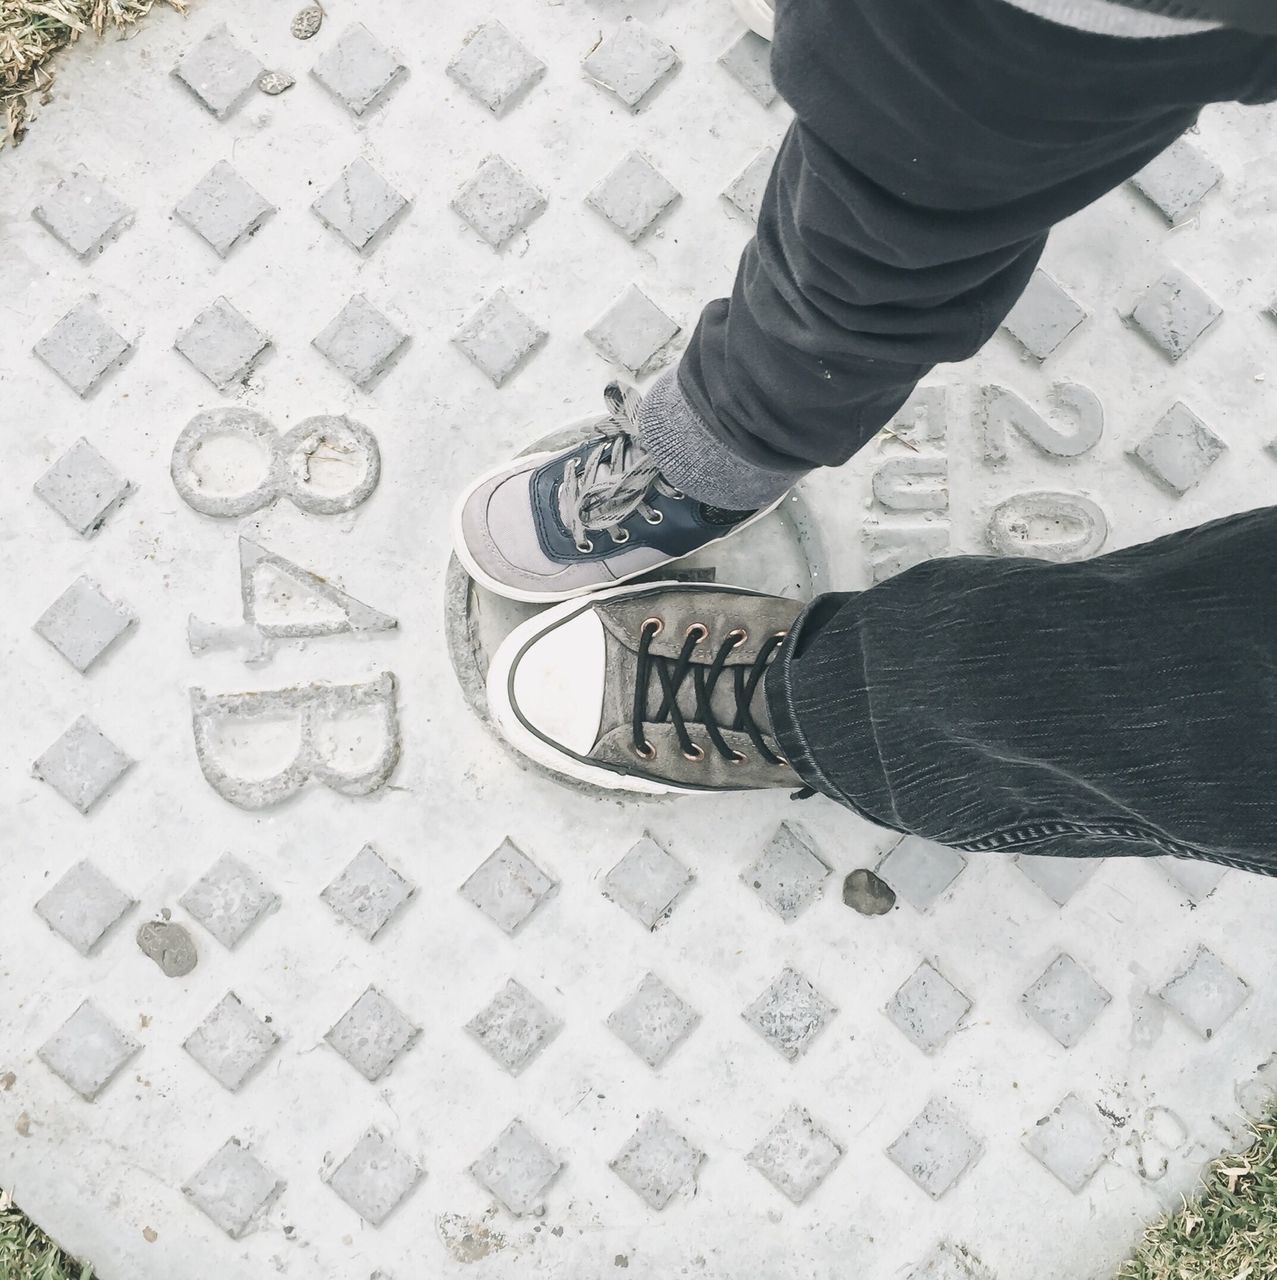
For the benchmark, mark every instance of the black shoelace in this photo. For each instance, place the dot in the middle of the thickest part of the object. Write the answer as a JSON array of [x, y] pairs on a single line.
[[672, 672]]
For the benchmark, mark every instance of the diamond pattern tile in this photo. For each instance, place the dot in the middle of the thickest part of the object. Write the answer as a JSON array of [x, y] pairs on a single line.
[[372, 1034], [1174, 313], [87, 1051], [1073, 1141], [498, 201], [657, 1162], [498, 338], [517, 1168], [358, 70], [1178, 180], [1044, 316], [1058, 878], [1066, 1000], [229, 899], [360, 206], [936, 1149], [790, 1014], [647, 882], [1198, 880], [508, 887], [375, 1177], [1179, 450], [745, 192], [654, 1021], [83, 622], [789, 875], [514, 1026], [219, 71], [1206, 993], [83, 488], [83, 348], [630, 62], [361, 342], [234, 1189], [494, 68], [748, 59], [928, 1008], [223, 209], [632, 331], [367, 892], [83, 906], [222, 343], [797, 1155], [232, 1042], [83, 213], [920, 871], [633, 196], [82, 765]]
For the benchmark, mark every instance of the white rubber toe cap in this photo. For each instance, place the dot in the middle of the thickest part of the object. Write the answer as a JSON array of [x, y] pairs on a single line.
[[558, 682]]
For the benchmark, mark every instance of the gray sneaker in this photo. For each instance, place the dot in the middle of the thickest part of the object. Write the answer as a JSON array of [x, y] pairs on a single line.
[[653, 688], [551, 526]]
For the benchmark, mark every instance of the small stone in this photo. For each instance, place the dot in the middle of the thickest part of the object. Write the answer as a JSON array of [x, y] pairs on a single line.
[[863, 891], [169, 945], [306, 22], [274, 83]]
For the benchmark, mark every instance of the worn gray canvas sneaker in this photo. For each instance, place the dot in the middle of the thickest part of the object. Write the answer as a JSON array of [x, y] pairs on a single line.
[[555, 525], [656, 688]]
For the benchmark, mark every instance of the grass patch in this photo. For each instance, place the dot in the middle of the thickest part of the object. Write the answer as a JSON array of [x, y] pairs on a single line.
[[1228, 1231], [32, 31], [26, 1253]]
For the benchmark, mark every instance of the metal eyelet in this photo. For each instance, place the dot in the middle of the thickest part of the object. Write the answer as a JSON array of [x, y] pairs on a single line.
[[645, 752], [737, 757], [740, 634], [678, 495], [779, 635], [701, 630], [585, 547], [620, 536], [782, 764], [656, 625], [696, 754], [655, 518]]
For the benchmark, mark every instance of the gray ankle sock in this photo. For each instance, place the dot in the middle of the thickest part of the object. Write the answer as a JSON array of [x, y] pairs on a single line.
[[692, 458]]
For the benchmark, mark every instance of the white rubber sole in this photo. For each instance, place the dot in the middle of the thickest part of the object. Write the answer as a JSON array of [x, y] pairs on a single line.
[[757, 15], [527, 596], [538, 749]]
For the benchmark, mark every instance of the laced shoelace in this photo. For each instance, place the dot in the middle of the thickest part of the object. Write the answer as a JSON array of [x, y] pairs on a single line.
[[615, 479], [672, 672]]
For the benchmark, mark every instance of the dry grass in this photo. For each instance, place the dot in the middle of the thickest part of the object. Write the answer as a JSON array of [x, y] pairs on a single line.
[[26, 1253], [32, 31], [1228, 1231]]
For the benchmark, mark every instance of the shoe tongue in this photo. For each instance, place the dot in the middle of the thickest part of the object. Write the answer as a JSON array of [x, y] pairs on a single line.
[[622, 673]]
